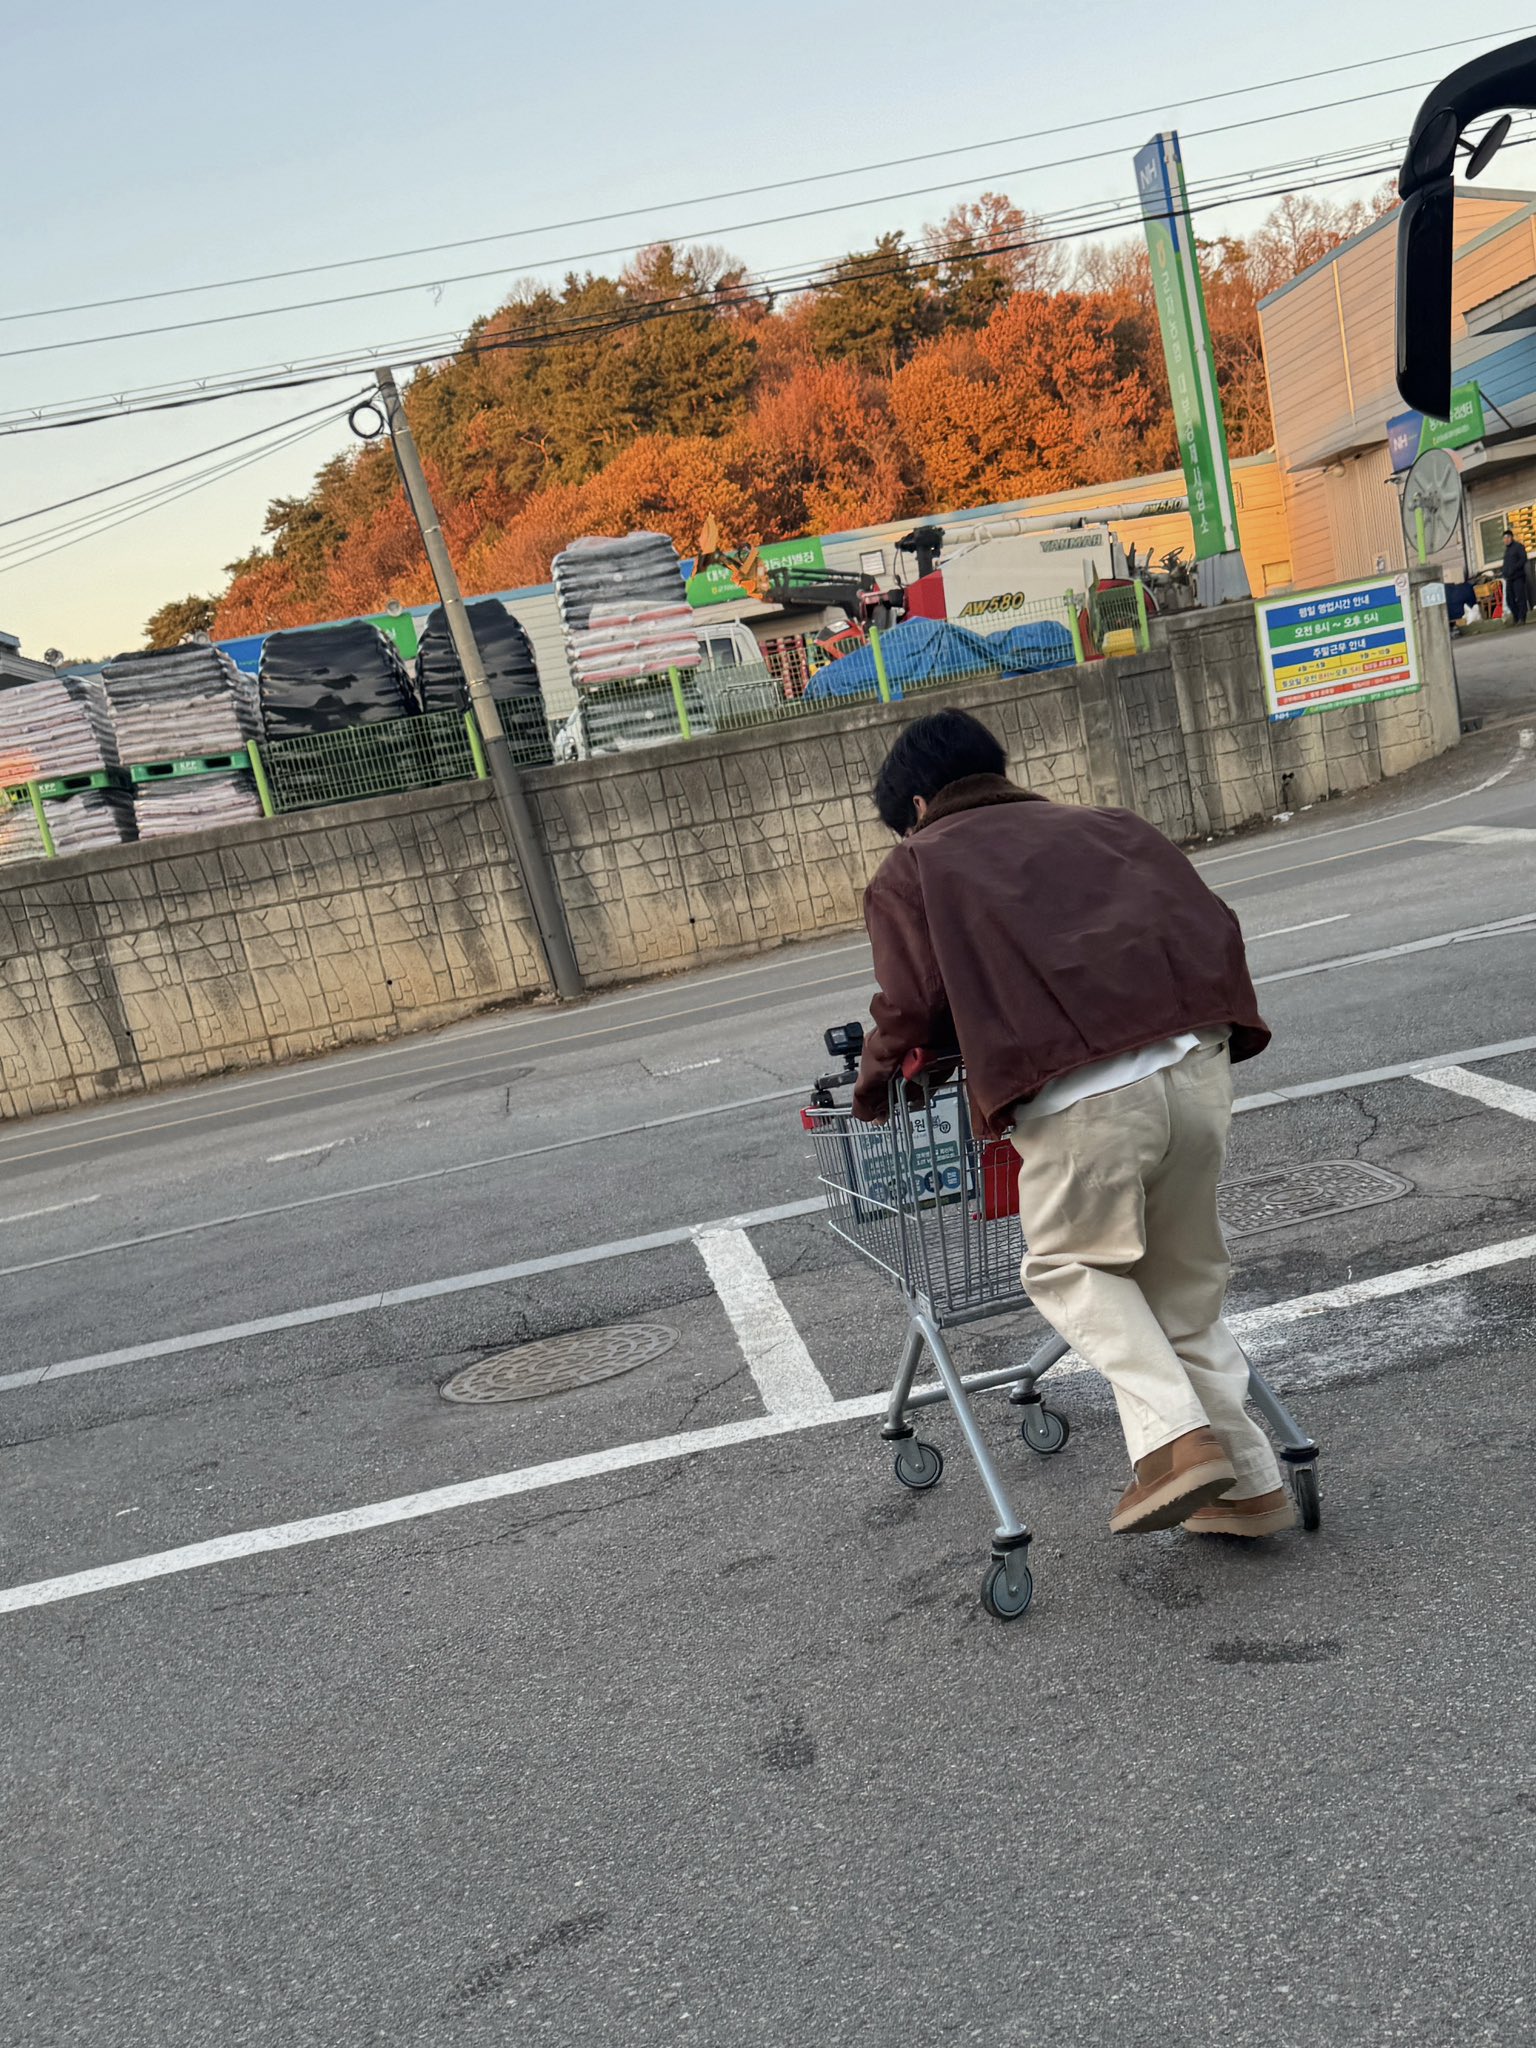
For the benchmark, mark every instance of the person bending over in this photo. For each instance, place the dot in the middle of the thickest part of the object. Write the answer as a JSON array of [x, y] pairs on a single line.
[[1098, 993]]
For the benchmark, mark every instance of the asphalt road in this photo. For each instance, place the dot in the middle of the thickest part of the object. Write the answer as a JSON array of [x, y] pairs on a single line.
[[559, 1732]]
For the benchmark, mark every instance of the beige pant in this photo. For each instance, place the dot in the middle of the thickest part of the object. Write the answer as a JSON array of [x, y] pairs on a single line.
[[1125, 1258]]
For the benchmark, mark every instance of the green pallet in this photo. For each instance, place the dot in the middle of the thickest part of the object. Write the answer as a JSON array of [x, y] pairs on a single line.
[[190, 764], [72, 785]]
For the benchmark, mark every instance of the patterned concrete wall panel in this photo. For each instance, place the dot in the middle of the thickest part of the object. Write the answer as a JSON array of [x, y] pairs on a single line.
[[1348, 749], [1296, 746]]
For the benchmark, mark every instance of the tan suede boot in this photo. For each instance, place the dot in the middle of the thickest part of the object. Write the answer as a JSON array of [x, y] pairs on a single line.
[[1172, 1482], [1261, 1514]]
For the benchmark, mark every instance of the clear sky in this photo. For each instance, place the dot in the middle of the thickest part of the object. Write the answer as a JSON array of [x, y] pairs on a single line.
[[178, 143]]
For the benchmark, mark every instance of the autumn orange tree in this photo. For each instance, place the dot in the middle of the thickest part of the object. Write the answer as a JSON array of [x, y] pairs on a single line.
[[972, 364]]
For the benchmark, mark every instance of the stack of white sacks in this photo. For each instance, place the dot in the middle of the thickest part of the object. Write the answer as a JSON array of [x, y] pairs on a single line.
[[625, 609], [55, 727], [184, 703]]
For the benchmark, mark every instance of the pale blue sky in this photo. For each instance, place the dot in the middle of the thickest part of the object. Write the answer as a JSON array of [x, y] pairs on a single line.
[[179, 143]]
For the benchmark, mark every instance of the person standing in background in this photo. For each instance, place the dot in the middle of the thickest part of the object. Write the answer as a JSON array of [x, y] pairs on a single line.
[[1517, 596]]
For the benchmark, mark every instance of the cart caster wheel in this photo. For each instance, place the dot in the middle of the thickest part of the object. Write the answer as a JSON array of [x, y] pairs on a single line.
[[1007, 1588], [1044, 1429], [1309, 1499], [918, 1466]]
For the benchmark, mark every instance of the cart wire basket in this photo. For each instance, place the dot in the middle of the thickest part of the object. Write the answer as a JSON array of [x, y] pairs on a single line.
[[928, 1201]]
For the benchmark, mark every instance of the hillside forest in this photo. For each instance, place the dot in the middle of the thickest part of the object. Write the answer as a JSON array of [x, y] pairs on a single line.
[[973, 365]]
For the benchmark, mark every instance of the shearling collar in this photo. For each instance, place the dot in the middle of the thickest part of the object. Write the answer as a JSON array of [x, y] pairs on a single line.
[[971, 792]]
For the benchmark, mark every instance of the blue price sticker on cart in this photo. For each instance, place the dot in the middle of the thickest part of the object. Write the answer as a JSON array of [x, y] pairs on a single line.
[[913, 1164]]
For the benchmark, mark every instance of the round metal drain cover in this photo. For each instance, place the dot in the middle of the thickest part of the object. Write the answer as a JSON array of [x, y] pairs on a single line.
[[555, 1364], [1302, 1194]]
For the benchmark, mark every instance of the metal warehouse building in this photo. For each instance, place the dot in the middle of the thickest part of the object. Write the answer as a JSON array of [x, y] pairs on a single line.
[[1329, 349]]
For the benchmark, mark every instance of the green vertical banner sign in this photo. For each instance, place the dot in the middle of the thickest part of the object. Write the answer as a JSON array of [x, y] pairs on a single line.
[[1187, 346]]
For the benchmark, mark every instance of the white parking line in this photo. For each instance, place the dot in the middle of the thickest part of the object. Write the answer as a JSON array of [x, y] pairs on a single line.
[[1482, 1088], [1381, 1286], [556, 1044], [50, 1209], [1309, 838], [1270, 1098], [439, 1500], [495, 1276], [1464, 935], [415, 1044], [1483, 835], [398, 1297], [404, 1180], [775, 1351], [1311, 925]]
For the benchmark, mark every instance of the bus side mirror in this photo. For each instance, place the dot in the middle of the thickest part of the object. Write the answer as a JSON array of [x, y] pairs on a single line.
[[1427, 185]]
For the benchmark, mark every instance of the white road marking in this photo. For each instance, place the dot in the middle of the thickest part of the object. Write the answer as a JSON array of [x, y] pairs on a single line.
[[1370, 1077], [1501, 928], [50, 1209], [398, 1297], [519, 1047], [1269, 1099], [1311, 925], [1406, 1280], [775, 1351], [1459, 796], [415, 1043], [409, 1507], [368, 1304], [692, 1067], [404, 1180], [686, 1443], [1482, 835], [308, 1151], [1482, 1088]]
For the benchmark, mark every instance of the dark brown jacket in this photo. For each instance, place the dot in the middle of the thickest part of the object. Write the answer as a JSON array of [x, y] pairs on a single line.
[[1039, 937]]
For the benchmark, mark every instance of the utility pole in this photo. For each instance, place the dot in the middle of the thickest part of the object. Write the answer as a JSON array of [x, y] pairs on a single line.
[[522, 828]]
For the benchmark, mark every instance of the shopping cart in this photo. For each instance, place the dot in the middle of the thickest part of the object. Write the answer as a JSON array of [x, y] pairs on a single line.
[[929, 1202]]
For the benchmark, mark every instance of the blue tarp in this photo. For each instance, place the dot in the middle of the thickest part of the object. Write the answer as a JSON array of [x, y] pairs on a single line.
[[917, 651], [1040, 644]]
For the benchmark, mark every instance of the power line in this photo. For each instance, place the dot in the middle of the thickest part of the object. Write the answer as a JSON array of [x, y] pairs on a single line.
[[183, 489], [275, 437], [678, 236], [1232, 188], [753, 191], [291, 369], [330, 370], [80, 497], [104, 517]]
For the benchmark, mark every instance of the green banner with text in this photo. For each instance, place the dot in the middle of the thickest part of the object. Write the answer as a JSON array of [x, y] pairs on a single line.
[[1187, 346]]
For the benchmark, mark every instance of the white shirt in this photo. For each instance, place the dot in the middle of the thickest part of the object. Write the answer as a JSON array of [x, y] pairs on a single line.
[[1103, 1075]]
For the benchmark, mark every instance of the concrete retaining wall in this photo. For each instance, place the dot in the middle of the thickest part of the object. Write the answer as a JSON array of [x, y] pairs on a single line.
[[170, 960]]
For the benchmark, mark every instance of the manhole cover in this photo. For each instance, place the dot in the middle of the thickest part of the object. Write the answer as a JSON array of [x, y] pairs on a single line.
[[555, 1364], [1299, 1194]]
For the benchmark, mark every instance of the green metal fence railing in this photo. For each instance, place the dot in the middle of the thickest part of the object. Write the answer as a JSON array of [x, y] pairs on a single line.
[[390, 757], [383, 758]]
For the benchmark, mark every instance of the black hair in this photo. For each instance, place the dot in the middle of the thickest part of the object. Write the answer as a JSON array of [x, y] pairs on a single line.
[[930, 754]]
